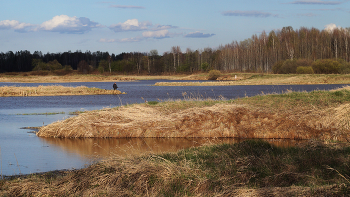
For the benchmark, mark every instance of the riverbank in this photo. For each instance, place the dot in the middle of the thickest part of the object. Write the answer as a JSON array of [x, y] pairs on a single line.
[[31, 78], [231, 79], [249, 168], [225, 79], [323, 115], [7, 91]]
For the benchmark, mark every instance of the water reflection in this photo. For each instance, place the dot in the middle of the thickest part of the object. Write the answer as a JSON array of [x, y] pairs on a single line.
[[98, 148]]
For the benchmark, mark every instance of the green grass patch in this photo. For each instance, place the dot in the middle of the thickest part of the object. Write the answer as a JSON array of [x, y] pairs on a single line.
[[260, 164], [286, 101]]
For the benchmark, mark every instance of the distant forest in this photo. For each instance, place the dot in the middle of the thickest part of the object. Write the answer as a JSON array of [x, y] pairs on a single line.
[[260, 53]]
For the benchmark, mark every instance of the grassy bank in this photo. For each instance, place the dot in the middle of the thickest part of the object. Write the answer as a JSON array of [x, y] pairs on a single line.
[[294, 115], [224, 79], [32, 78], [229, 79], [6, 91], [249, 168]]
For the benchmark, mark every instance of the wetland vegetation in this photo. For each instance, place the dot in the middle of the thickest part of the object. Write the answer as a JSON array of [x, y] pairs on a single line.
[[55, 90], [319, 114], [253, 167], [249, 168]]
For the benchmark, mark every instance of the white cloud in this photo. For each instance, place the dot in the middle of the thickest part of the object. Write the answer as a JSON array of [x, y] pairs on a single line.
[[331, 27], [135, 39], [131, 25], [13, 24], [198, 34], [160, 27], [156, 34], [107, 40], [247, 13], [66, 24]]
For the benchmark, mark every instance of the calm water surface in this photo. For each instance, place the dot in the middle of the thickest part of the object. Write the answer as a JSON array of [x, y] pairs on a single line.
[[22, 152]]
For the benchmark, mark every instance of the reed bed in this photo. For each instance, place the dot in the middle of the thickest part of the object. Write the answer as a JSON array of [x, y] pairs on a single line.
[[32, 78], [6, 91], [249, 168], [321, 115]]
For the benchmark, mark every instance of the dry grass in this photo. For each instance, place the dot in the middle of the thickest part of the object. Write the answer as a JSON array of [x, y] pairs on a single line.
[[246, 169], [316, 115], [265, 79], [225, 79], [6, 91], [27, 78]]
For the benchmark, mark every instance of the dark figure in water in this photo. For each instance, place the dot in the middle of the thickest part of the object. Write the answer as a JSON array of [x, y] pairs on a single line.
[[115, 86]]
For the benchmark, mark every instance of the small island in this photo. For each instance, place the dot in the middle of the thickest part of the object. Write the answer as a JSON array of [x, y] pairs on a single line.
[[7, 91]]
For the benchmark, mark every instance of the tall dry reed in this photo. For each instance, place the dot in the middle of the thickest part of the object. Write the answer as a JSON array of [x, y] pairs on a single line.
[[294, 115], [57, 90]]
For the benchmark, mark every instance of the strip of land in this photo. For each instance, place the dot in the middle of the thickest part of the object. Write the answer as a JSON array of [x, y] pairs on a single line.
[[7, 91], [231, 79], [249, 168], [224, 79], [323, 115]]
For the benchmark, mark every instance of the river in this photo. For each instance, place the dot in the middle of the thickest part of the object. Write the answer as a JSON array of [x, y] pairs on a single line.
[[22, 152]]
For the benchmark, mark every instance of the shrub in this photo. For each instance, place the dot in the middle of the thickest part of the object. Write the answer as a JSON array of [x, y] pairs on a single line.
[[289, 66], [326, 66], [54, 65], [344, 67], [276, 67], [305, 70], [214, 74], [101, 69], [67, 68]]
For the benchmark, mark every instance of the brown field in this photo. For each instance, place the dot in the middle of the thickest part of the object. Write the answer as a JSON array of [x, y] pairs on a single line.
[[6, 91]]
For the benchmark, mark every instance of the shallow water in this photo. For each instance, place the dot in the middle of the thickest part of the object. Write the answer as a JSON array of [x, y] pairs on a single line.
[[22, 152]]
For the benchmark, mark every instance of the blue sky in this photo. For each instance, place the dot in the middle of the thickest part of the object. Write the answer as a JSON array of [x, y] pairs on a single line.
[[140, 26]]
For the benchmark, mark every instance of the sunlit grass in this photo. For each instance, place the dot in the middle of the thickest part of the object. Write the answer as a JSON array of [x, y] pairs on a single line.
[[58, 90], [247, 168]]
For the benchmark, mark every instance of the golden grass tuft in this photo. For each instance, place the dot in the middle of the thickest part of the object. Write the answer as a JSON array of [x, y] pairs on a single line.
[[6, 91], [209, 119]]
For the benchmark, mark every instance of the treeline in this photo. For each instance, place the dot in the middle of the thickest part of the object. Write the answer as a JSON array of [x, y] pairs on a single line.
[[263, 53]]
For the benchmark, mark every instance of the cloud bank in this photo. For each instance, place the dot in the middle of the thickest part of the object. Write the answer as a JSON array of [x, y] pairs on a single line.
[[16, 25], [66, 24], [61, 24]]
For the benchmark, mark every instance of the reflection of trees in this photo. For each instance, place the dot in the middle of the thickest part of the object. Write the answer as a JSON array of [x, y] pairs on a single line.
[[100, 147]]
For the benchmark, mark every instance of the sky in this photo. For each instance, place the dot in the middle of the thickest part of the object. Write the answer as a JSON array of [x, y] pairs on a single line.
[[143, 25]]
